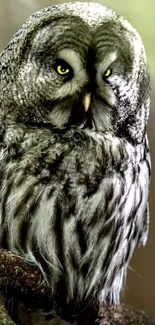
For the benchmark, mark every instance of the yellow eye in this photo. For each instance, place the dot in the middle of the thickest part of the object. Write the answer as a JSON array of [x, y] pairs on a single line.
[[107, 73], [62, 70]]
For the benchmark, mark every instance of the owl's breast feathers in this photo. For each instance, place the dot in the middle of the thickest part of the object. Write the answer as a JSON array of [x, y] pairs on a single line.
[[74, 203]]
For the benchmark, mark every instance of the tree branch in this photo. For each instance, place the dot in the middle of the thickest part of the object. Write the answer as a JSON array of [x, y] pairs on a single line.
[[23, 282]]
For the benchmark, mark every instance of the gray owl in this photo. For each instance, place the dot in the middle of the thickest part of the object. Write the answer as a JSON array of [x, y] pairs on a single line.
[[74, 154]]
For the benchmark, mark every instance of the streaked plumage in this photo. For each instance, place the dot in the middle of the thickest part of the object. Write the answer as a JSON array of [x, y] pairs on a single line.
[[74, 181]]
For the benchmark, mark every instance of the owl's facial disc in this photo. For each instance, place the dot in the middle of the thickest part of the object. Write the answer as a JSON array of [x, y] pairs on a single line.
[[73, 72]]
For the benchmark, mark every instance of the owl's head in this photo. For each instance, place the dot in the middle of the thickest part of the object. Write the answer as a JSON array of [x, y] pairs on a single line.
[[76, 65]]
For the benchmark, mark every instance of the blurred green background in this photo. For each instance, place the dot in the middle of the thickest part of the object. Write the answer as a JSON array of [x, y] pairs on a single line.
[[140, 288]]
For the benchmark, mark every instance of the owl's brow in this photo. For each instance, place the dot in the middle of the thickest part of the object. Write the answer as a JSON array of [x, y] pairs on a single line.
[[107, 60], [72, 58]]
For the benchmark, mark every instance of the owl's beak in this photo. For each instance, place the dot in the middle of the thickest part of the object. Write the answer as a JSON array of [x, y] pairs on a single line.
[[86, 101]]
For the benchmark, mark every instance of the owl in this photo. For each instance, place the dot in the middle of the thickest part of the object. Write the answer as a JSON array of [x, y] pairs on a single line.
[[74, 154]]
